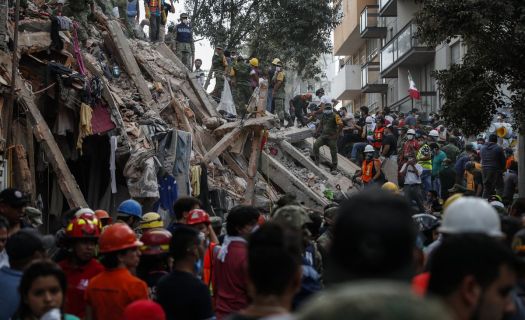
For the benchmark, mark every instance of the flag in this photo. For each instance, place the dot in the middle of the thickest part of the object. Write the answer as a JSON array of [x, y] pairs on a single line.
[[413, 92]]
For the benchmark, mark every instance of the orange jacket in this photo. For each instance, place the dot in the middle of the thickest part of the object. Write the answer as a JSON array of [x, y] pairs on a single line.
[[368, 170]]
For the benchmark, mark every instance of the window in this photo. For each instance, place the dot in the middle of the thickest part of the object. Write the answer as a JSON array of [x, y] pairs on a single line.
[[455, 55]]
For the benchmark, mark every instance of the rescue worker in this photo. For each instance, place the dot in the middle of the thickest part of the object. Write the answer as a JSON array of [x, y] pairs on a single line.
[[151, 221], [255, 73], [218, 69], [104, 217], [154, 261], [184, 46], [133, 15], [109, 292], [199, 73], [328, 131], [278, 93], [298, 109], [379, 131], [154, 14], [243, 91], [82, 12], [271, 72], [371, 168], [130, 213], [80, 267]]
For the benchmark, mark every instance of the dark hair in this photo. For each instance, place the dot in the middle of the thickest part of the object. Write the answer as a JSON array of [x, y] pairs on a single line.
[[239, 217], [184, 204], [467, 254], [364, 109], [110, 260], [513, 165], [374, 236], [153, 262], [434, 146], [493, 138], [4, 224], [433, 193], [39, 268], [182, 240], [469, 147], [274, 257]]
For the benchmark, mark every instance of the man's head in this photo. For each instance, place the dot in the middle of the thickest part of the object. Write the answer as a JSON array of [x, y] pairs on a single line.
[[82, 234], [200, 220], [474, 274], [374, 236], [130, 211], [380, 122], [364, 111], [319, 92], [184, 18], [198, 63], [4, 227], [183, 206], [26, 246], [186, 246], [434, 147], [119, 247], [12, 203], [493, 138], [241, 221]]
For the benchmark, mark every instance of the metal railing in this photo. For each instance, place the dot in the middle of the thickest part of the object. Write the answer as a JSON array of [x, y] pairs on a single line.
[[370, 18], [399, 45]]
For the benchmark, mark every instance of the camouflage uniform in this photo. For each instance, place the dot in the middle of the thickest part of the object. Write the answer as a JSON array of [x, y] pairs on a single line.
[[243, 90], [218, 65], [79, 10], [279, 96], [330, 124]]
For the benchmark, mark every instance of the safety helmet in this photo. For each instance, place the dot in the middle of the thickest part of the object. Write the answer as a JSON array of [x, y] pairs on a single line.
[[471, 215], [369, 120], [451, 200], [277, 62], [87, 226], [254, 62], [390, 186], [82, 211], [184, 15], [155, 242], [131, 208], [102, 214], [481, 136], [116, 237], [433, 133], [411, 131], [151, 220], [369, 148], [197, 216]]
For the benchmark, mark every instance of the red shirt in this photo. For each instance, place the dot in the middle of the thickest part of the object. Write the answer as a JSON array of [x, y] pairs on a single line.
[[231, 278], [78, 278]]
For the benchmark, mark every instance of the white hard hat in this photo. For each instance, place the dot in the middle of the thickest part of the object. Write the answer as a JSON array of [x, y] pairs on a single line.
[[369, 148], [82, 211], [433, 133], [369, 120], [411, 131], [471, 215]]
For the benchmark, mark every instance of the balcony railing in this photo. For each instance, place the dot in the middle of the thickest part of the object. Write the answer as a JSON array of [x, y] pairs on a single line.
[[371, 81], [388, 8], [400, 45], [371, 25]]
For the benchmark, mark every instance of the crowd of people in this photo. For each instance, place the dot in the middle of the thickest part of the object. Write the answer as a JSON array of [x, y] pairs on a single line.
[[373, 256]]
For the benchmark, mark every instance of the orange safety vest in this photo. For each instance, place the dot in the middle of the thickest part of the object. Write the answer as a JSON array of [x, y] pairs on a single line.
[[469, 177], [508, 162], [378, 137], [368, 170], [207, 267]]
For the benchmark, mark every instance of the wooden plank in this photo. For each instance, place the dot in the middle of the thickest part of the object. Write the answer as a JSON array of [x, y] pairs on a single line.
[[289, 183], [222, 145], [306, 162], [201, 94], [232, 164], [343, 164], [66, 180], [292, 135], [123, 50], [267, 122]]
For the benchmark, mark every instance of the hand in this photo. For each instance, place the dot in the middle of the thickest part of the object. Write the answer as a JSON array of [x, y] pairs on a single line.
[[172, 10]]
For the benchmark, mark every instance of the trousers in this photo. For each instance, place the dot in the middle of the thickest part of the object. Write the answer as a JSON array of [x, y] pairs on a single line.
[[324, 140]]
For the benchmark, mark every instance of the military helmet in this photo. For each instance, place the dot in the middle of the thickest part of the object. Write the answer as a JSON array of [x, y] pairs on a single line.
[[292, 215]]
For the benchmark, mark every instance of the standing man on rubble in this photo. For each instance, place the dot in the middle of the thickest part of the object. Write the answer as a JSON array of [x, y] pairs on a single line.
[[153, 14], [81, 11], [184, 47], [133, 14], [218, 69], [199, 73], [278, 93], [327, 132], [243, 91], [298, 109]]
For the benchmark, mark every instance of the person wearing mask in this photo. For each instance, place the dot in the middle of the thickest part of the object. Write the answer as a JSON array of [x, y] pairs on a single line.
[[231, 274], [274, 270], [389, 153], [182, 208], [492, 167], [379, 131], [219, 64], [424, 159], [255, 73], [181, 294], [278, 92], [154, 261], [327, 132], [43, 290], [474, 275], [12, 204], [185, 48], [371, 173], [109, 292], [199, 73], [23, 248], [4, 228], [271, 72], [81, 266], [411, 172], [401, 139], [451, 150], [130, 213], [410, 147], [437, 159]]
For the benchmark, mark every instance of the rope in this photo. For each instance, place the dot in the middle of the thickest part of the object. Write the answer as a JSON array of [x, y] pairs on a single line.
[[46, 88]]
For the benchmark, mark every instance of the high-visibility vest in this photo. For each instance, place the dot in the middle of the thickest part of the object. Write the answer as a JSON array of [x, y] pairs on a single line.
[[378, 137], [368, 170]]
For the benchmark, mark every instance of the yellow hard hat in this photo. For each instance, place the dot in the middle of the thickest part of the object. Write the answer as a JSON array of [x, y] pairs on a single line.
[[451, 200], [254, 62], [151, 220], [276, 62], [390, 186]]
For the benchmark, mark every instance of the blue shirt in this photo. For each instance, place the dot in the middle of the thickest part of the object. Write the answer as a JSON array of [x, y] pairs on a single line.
[[184, 33], [9, 297]]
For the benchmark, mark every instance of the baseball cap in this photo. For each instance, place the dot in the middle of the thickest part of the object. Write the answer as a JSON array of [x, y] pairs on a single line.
[[26, 242], [13, 197]]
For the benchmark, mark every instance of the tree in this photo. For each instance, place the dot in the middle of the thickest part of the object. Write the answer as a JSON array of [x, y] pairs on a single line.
[[494, 34], [296, 31]]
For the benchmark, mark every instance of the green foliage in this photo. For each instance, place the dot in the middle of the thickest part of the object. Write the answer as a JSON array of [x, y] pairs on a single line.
[[494, 34], [296, 31]]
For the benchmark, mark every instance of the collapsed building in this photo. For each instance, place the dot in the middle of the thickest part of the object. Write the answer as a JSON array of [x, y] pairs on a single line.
[[125, 118]]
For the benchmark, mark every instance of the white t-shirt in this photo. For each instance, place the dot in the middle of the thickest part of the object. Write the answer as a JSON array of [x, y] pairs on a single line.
[[326, 100], [410, 176]]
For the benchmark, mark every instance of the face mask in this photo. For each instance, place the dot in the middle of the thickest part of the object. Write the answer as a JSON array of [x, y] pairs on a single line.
[[53, 314], [185, 21], [410, 137], [277, 69], [328, 111], [369, 156]]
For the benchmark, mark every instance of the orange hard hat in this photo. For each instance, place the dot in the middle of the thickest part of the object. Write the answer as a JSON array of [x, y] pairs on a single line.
[[116, 237], [102, 214], [197, 216], [86, 226]]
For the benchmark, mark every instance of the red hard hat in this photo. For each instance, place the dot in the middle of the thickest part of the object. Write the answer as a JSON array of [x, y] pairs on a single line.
[[144, 309], [85, 226], [118, 236], [155, 242], [197, 216], [102, 214]]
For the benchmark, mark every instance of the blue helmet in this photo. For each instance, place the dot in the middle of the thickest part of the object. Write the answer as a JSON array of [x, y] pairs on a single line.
[[131, 208]]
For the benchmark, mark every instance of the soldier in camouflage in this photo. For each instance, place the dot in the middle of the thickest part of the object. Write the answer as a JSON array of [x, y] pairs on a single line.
[[184, 47], [243, 91], [328, 131], [80, 11], [218, 68]]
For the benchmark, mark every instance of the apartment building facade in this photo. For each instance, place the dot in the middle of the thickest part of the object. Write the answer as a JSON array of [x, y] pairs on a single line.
[[378, 49]]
